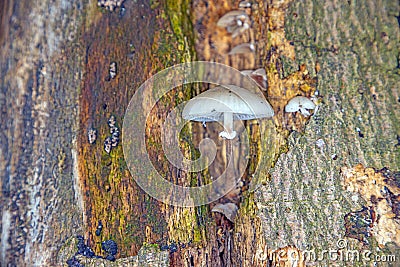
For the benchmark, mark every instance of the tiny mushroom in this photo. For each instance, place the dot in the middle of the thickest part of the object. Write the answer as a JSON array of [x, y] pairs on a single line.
[[229, 210], [300, 103], [245, 4], [112, 121], [258, 75], [113, 70], [243, 49], [92, 135], [235, 22], [227, 103], [233, 17]]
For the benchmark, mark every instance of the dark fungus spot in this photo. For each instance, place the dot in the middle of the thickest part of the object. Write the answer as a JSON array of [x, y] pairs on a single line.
[[98, 232], [358, 224], [110, 246], [122, 11], [164, 247], [74, 262], [99, 228], [173, 248], [374, 200], [83, 249], [107, 188], [360, 134], [110, 257]]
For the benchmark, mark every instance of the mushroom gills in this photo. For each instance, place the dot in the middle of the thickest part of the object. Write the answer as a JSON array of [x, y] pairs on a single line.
[[227, 103]]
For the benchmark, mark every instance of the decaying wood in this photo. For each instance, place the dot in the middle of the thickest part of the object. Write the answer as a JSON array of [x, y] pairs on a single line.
[[304, 190], [354, 59]]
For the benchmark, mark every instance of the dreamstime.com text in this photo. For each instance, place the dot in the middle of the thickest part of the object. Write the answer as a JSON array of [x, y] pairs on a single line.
[[341, 253]]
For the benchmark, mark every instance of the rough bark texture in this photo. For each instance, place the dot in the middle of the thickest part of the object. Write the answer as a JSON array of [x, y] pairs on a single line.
[[41, 201], [304, 189], [352, 48]]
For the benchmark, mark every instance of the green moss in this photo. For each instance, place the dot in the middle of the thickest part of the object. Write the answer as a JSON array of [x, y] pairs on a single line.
[[249, 207], [182, 26], [149, 248], [197, 236]]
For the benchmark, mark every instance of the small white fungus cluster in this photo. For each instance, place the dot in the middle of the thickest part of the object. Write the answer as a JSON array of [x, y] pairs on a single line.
[[110, 4], [113, 140], [92, 135]]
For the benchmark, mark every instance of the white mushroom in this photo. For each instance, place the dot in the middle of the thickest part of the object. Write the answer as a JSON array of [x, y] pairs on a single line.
[[242, 49], [227, 103], [235, 22], [261, 77], [258, 75], [245, 4], [229, 210], [232, 17], [260, 72], [238, 29], [300, 103], [92, 135]]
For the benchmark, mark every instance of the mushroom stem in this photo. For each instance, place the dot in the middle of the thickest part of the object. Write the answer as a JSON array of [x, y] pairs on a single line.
[[228, 125], [304, 112]]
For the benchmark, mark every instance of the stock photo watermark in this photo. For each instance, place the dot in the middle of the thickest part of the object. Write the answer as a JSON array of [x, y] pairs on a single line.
[[226, 102], [340, 253]]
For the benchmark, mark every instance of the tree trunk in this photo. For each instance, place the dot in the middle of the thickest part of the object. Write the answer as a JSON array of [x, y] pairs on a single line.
[[321, 195], [325, 185], [41, 74]]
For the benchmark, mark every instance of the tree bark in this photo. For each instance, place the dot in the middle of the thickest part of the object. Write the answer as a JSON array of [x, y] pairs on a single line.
[[318, 193], [326, 182]]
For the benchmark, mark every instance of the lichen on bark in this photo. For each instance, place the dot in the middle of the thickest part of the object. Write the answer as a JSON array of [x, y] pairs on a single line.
[[352, 49]]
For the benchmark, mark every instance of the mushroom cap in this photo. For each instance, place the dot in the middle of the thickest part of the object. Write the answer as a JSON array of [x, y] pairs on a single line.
[[210, 105], [236, 31], [245, 4], [258, 75], [228, 209], [231, 18], [298, 102], [242, 49], [247, 72], [261, 72]]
